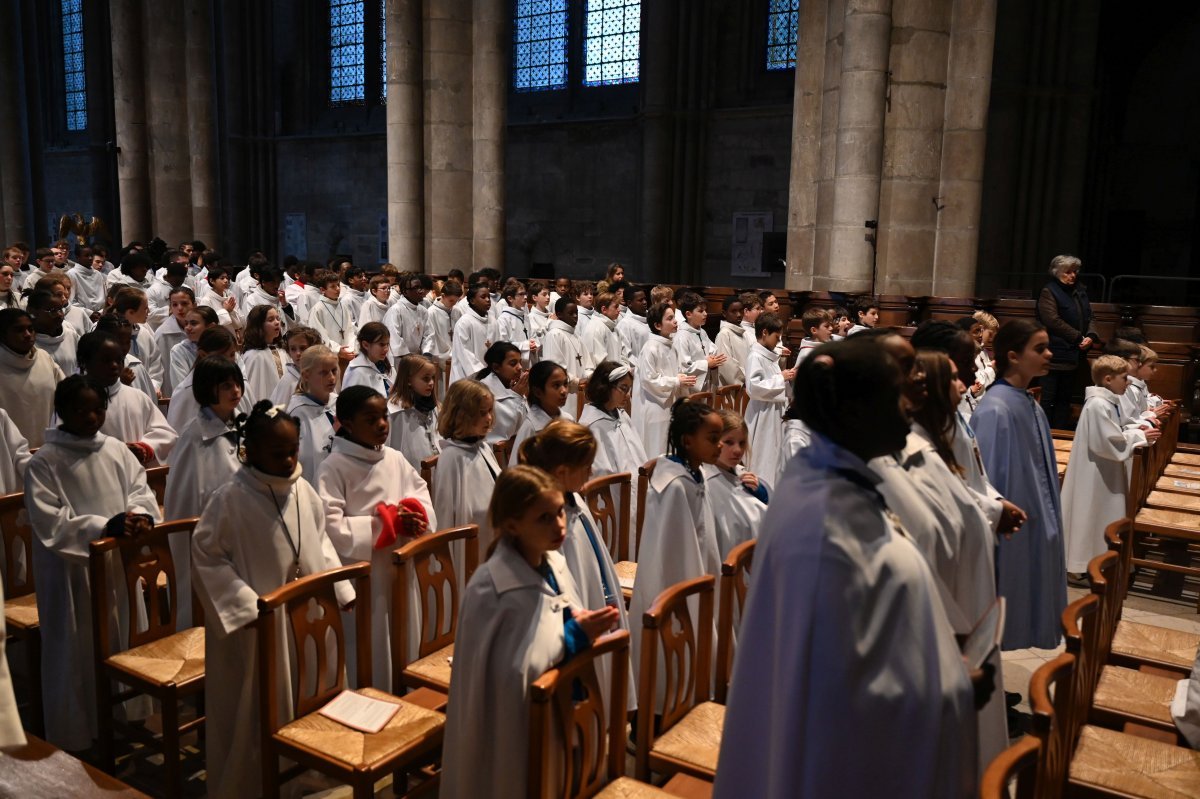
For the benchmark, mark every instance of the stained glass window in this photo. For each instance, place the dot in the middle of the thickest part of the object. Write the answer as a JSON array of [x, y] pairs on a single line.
[[347, 52], [540, 45], [612, 42], [74, 79], [383, 49], [783, 26]]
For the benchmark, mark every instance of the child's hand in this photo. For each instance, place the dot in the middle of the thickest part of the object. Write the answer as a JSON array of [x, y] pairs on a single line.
[[345, 355], [229, 303], [716, 360], [137, 524], [789, 374], [127, 376], [596, 623], [1011, 518], [282, 298], [784, 351], [687, 380], [750, 481], [522, 384], [1153, 434], [533, 345]]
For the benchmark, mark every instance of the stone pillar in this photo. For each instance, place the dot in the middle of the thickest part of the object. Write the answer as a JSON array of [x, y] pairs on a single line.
[[968, 90], [129, 114], [405, 153], [861, 97], [658, 134], [200, 123], [167, 123], [14, 184], [489, 93], [449, 183]]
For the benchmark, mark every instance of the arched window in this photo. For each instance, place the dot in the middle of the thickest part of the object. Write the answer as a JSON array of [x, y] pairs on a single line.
[[612, 42], [74, 76], [783, 27]]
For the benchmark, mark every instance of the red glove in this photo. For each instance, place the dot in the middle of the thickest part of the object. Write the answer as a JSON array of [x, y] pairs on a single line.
[[408, 519]]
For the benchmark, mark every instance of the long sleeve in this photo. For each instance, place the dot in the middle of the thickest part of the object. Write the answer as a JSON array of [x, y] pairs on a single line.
[[764, 382], [353, 537], [1047, 308], [228, 597], [159, 434], [53, 520]]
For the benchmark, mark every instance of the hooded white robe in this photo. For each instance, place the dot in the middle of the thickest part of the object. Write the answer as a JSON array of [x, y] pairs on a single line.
[[413, 434], [61, 348], [352, 300], [1096, 485], [733, 342], [168, 334], [11, 734], [655, 389], [692, 348], [538, 321], [141, 377], [184, 408], [535, 422], [263, 369], [796, 436], [334, 324], [406, 322], [633, 331], [511, 327], [351, 482], [14, 456], [183, 359], [241, 550], [73, 486], [586, 317], [371, 310], [438, 330], [737, 514], [511, 622], [847, 679], [361, 372], [134, 417], [764, 413], [144, 347], [462, 489], [470, 342], [286, 387], [563, 347], [27, 384], [967, 455], [316, 430], [231, 320], [508, 411], [600, 343], [87, 286], [618, 449], [1135, 403]]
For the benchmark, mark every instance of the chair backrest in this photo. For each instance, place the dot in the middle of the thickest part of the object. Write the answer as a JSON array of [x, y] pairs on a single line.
[[144, 560], [1107, 587], [18, 546], [446, 375], [1081, 624], [686, 651], [427, 467], [580, 398], [612, 516], [577, 745], [313, 621], [1019, 762], [730, 398], [1056, 722], [156, 478], [706, 397], [645, 472], [735, 581], [502, 450], [438, 585]]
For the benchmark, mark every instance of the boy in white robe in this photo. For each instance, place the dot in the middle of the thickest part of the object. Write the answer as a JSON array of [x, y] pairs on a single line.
[[599, 340], [470, 338], [657, 381], [538, 315], [731, 342], [632, 326], [696, 353], [766, 385], [332, 320], [53, 337], [406, 319], [438, 327], [563, 347], [818, 330], [374, 306], [512, 327], [27, 376]]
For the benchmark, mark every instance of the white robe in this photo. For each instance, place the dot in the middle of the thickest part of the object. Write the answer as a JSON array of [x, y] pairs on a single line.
[[14, 456], [600, 343], [334, 324], [538, 322], [1135, 404], [87, 285], [361, 372], [462, 489], [847, 679], [655, 389], [73, 486], [352, 300], [406, 322], [512, 624], [61, 348], [618, 449], [141, 377], [1185, 706], [679, 542], [263, 369], [168, 334], [734, 342], [511, 327], [737, 514], [11, 734], [316, 430], [184, 408], [134, 417], [535, 422], [144, 347], [508, 411], [240, 551], [371, 310], [796, 436], [183, 359], [286, 387], [352, 481], [413, 434], [633, 331], [1096, 485], [966, 453], [564, 348], [230, 320], [692, 348], [27, 384], [470, 342], [438, 331], [764, 413]]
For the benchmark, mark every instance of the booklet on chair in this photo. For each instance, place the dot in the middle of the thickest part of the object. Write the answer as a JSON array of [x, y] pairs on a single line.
[[359, 712], [985, 637]]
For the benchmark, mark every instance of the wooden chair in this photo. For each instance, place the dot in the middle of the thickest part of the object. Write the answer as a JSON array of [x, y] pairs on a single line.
[[612, 517], [311, 620], [1154, 525], [438, 584], [502, 450], [645, 472], [427, 467], [706, 397], [732, 397], [156, 478], [688, 735], [446, 376], [20, 602], [160, 661], [580, 398], [735, 581], [1017, 762]]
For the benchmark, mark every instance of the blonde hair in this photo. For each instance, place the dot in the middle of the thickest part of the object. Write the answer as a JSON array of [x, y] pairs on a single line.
[[461, 407], [731, 421], [409, 367], [1108, 366], [661, 293], [560, 443], [987, 320], [310, 359], [516, 489], [1148, 355]]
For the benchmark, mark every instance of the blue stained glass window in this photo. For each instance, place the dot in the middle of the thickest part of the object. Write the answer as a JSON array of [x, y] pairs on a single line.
[[74, 77], [540, 45], [347, 52], [383, 49], [612, 42], [783, 29]]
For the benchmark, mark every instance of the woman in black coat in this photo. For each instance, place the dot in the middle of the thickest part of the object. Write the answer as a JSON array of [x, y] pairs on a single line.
[[1064, 310]]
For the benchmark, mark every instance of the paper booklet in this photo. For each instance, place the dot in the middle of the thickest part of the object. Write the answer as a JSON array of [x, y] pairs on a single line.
[[359, 712], [986, 636]]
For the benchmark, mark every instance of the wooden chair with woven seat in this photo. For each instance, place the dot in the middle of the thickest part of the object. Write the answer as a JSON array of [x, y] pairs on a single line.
[[645, 472], [684, 734], [312, 624], [612, 517], [1178, 485], [706, 397], [1152, 525], [160, 661], [1185, 459], [1173, 501], [1182, 471], [1018, 762], [439, 582], [732, 397], [735, 582], [21, 620], [428, 465]]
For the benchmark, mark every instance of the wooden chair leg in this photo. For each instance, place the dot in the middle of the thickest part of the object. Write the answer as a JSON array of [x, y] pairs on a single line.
[[104, 723], [270, 773], [172, 783], [364, 789], [33, 667]]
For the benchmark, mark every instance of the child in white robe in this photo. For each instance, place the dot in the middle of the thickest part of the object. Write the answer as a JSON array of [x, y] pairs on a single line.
[[27, 376], [297, 340], [657, 381], [54, 338], [130, 304], [538, 315], [600, 340], [818, 330], [332, 320], [375, 502], [406, 318], [438, 327], [632, 326], [257, 533], [171, 332], [766, 385], [375, 305], [618, 447], [414, 411], [548, 392], [562, 344], [512, 623], [737, 497], [313, 405], [372, 367], [467, 469], [507, 378], [184, 408], [262, 357], [513, 328], [80, 486], [221, 299], [732, 341], [470, 338], [183, 355], [696, 353]]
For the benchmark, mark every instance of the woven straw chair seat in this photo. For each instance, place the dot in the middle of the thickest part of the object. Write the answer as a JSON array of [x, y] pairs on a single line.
[[1184, 459], [626, 570], [21, 613], [1133, 766], [1182, 472], [1172, 501], [695, 739], [411, 726], [1135, 693], [1178, 484], [629, 788], [1174, 518], [1157, 644], [174, 659], [435, 667], [1063, 444]]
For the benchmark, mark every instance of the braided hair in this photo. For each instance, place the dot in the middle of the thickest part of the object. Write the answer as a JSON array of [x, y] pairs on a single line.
[[262, 417], [686, 418]]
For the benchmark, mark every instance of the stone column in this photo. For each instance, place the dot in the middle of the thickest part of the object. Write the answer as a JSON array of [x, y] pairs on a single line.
[[863, 86], [166, 123], [129, 114], [968, 90], [405, 154], [658, 134], [14, 185], [200, 123], [449, 184], [489, 92]]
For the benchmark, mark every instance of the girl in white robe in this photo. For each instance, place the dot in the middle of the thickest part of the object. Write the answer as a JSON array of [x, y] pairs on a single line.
[[512, 624], [171, 332], [507, 378], [549, 387], [81, 485], [738, 498], [183, 355], [297, 339], [14, 456], [372, 366], [767, 387], [313, 405], [262, 358], [184, 408], [679, 540], [657, 381], [258, 532], [375, 502], [414, 411], [618, 446], [467, 469], [470, 339], [204, 460]]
